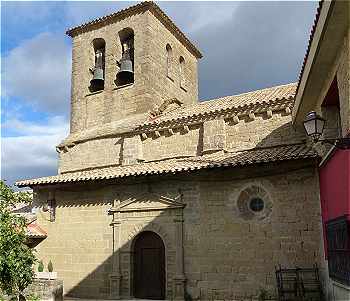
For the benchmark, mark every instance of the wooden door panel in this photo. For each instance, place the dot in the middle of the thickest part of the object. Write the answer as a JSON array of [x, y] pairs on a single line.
[[149, 277]]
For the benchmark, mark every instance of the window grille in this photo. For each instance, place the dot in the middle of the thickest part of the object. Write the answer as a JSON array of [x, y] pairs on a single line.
[[338, 247]]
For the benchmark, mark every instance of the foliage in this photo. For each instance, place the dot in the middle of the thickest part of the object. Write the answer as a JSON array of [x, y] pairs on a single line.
[[16, 258], [50, 266], [41, 266], [33, 297]]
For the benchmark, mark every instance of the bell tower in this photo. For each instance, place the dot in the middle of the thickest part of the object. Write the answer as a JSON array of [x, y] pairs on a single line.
[[129, 63]]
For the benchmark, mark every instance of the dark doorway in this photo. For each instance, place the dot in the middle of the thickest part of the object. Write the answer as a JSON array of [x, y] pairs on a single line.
[[149, 266]]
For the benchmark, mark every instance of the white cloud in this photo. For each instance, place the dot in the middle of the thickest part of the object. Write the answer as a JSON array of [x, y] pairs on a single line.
[[207, 14], [38, 72], [33, 153], [55, 126]]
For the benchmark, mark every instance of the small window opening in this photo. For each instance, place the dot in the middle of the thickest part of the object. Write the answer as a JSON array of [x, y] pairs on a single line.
[[125, 74], [98, 71], [256, 204], [169, 58], [182, 72]]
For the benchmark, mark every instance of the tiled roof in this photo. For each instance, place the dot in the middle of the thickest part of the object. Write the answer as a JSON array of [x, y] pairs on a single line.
[[274, 98], [35, 231], [175, 165], [154, 8], [258, 100]]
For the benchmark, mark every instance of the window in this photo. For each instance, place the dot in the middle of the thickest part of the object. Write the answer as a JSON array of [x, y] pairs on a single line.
[[169, 58], [182, 72], [338, 247], [98, 71], [256, 204], [125, 74]]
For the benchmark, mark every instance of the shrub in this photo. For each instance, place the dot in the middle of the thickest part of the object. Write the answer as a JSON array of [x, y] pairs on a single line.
[[33, 297], [41, 266], [16, 258], [50, 266]]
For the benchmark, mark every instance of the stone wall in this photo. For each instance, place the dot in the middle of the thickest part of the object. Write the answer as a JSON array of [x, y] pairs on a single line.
[[340, 71], [151, 86], [246, 132], [228, 250], [343, 80], [92, 153], [79, 240], [46, 290]]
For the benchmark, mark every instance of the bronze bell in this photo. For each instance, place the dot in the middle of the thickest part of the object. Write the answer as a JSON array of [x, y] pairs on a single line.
[[98, 77], [125, 74]]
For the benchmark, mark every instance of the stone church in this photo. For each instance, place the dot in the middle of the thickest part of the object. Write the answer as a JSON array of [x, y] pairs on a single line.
[[160, 196]]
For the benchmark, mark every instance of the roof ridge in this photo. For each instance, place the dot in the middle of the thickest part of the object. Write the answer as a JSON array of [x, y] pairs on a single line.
[[169, 118], [311, 38], [248, 92], [96, 20], [144, 5]]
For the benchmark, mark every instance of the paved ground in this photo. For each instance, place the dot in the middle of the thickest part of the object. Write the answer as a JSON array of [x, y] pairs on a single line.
[[78, 299]]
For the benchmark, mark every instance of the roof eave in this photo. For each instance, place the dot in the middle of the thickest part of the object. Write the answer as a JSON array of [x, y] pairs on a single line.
[[326, 41]]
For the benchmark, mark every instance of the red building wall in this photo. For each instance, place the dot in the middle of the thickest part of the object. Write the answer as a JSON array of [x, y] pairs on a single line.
[[335, 187]]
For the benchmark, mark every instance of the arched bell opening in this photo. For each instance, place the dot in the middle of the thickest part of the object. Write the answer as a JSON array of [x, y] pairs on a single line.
[[148, 266], [98, 71], [125, 74]]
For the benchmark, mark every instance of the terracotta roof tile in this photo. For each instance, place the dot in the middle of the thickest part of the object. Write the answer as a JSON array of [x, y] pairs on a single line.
[[311, 37], [257, 100], [172, 166], [35, 231], [274, 98]]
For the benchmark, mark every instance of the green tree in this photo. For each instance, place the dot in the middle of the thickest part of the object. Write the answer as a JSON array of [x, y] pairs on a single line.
[[16, 258]]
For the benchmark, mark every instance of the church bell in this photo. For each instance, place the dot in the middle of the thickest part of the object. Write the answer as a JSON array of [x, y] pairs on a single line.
[[125, 74], [98, 77]]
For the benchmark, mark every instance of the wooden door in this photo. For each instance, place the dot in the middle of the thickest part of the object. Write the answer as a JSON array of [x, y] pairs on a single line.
[[149, 266]]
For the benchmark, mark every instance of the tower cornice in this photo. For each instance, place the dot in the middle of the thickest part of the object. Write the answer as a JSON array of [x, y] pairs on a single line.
[[136, 9]]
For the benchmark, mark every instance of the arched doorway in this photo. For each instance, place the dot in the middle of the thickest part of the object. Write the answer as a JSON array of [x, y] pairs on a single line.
[[149, 266]]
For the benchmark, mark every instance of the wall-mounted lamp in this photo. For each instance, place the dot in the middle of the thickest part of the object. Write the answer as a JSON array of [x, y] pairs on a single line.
[[314, 125]]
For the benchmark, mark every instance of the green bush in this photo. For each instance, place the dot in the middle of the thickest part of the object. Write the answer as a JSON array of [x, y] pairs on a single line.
[[33, 297], [16, 258], [50, 266], [41, 266]]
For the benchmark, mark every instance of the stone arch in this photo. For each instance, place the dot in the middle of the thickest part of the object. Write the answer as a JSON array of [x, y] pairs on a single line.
[[169, 252], [126, 63], [98, 62], [153, 227]]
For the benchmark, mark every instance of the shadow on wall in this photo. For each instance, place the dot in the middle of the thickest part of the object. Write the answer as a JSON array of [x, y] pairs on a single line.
[[99, 252], [143, 272], [282, 135], [93, 247]]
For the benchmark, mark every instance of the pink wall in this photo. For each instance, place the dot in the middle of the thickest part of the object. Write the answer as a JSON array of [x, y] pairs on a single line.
[[335, 185]]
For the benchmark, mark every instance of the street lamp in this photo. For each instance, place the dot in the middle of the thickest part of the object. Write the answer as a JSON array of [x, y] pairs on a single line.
[[314, 125]]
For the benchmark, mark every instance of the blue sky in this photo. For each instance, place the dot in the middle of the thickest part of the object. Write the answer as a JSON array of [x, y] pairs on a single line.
[[246, 46]]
